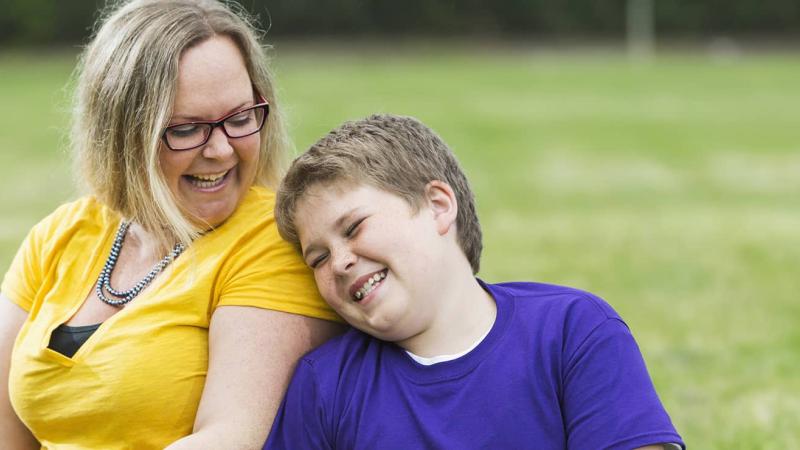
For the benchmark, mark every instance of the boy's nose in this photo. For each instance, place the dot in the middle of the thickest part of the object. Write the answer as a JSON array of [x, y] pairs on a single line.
[[343, 261]]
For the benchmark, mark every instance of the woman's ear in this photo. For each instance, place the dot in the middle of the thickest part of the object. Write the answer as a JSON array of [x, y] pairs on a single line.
[[442, 202]]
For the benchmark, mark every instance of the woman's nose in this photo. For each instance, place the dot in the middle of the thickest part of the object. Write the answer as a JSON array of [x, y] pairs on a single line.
[[218, 145]]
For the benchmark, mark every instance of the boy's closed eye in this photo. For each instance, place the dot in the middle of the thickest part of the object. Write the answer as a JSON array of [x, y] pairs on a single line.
[[314, 263], [349, 232], [352, 229]]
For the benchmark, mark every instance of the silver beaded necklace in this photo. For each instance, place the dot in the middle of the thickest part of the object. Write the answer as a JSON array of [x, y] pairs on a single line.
[[104, 282]]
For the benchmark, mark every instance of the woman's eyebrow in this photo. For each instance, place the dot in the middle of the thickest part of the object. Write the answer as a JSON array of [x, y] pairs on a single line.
[[181, 117]]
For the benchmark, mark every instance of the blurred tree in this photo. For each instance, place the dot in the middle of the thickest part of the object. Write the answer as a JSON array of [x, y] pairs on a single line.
[[641, 28], [36, 22], [28, 20]]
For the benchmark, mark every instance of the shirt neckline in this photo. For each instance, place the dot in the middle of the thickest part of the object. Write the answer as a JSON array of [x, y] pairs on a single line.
[[431, 360], [418, 373]]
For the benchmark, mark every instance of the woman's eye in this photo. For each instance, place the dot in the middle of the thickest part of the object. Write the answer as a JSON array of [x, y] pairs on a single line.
[[350, 231], [181, 131], [240, 119]]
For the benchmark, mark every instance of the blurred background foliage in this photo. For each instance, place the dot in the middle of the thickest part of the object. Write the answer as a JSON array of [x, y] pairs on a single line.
[[37, 22]]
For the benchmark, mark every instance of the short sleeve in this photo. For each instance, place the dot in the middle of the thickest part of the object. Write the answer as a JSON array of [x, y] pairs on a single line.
[[609, 400], [257, 267], [65, 230], [266, 272], [300, 422], [24, 276]]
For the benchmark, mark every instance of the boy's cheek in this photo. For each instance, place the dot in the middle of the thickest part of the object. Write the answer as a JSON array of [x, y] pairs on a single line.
[[326, 289]]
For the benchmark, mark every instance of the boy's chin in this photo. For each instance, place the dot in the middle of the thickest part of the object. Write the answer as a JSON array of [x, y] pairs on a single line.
[[396, 336]]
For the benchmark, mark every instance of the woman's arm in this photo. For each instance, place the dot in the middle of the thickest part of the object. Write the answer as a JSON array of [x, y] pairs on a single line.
[[252, 354], [15, 434]]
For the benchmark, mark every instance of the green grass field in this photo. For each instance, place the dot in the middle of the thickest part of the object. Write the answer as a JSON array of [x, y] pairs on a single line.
[[672, 189]]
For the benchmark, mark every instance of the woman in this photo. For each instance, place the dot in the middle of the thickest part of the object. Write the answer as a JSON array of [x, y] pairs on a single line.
[[163, 310]]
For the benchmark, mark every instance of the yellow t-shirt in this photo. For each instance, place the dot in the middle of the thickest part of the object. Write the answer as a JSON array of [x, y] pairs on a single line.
[[137, 381]]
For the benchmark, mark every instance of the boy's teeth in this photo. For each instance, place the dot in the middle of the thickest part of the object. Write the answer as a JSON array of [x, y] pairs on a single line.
[[369, 285]]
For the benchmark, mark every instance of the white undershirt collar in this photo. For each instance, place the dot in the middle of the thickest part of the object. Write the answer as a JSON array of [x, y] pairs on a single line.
[[429, 361]]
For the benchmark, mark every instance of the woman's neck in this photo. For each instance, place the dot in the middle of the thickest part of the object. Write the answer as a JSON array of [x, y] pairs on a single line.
[[142, 245]]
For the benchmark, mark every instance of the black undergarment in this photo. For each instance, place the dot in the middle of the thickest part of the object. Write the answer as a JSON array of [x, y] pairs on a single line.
[[67, 340]]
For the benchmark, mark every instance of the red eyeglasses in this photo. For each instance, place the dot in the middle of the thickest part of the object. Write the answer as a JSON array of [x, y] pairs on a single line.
[[189, 135]]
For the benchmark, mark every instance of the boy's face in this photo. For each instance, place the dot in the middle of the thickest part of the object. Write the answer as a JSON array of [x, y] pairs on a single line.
[[374, 260]]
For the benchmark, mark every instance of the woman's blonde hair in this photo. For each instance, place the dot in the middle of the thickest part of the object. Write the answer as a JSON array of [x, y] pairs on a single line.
[[126, 84]]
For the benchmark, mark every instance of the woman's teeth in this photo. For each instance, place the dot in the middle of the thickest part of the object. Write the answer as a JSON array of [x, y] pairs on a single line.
[[207, 181], [371, 284]]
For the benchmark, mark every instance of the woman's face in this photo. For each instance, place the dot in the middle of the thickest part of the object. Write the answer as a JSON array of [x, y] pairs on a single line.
[[209, 181]]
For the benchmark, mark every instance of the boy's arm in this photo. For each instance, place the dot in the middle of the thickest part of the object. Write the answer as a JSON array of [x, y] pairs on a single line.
[[609, 400], [302, 418]]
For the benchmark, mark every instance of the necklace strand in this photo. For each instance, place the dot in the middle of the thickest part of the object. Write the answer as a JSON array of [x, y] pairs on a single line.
[[123, 297]]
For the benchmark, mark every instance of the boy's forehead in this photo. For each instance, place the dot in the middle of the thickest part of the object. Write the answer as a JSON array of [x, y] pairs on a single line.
[[324, 205], [325, 190], [321, 204]]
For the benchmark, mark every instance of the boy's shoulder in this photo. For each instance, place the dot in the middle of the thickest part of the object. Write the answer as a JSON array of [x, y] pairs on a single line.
[[544, 298], [342, 351], [536, 313], [533, 304]]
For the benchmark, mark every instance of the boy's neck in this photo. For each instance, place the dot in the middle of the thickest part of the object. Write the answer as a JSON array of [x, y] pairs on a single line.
[[465, 312]]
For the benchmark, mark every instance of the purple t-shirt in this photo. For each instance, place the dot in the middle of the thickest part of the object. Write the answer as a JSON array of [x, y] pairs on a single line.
[[558, 370]]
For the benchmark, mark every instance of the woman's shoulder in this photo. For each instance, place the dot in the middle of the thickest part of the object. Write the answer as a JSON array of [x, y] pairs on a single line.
[[255, 211], [69, 233], [255, 266], [85, 214], [249, 232], [259, 199]]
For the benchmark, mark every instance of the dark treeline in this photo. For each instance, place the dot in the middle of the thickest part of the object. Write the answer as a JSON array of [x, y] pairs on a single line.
[[42, 22]]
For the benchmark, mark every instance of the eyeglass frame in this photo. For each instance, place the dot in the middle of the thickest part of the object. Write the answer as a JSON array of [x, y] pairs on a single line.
[[218, 123]]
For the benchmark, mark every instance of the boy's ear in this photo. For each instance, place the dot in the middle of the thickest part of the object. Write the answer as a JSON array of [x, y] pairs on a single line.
[[442, 201]]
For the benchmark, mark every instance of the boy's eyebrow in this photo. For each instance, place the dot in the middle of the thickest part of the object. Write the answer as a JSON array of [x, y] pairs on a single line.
[[346, 215]]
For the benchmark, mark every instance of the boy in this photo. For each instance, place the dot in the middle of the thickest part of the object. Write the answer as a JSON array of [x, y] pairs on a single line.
[[384, 216]]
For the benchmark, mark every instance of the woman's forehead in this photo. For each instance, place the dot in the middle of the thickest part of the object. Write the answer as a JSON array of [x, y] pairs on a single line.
[[212, 77]]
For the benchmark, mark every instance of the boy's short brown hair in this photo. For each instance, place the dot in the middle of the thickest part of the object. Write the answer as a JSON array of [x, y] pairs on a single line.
[[393, 153]]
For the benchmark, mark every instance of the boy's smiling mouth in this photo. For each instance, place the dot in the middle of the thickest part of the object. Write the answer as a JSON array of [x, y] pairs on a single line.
[[366, 284]]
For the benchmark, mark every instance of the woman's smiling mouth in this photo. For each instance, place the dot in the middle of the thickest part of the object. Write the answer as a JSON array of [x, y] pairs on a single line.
[[207, 181]]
